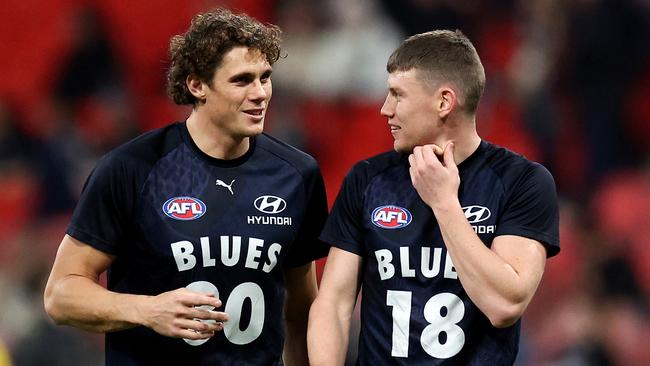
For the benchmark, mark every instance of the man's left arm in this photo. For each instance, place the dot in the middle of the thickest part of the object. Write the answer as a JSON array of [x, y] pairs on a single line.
[[500, 280], [301, 290]]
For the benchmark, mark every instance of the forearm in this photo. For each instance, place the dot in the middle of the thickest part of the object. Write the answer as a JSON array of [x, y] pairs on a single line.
[[295, 344], [300, 293], [83, 303], [296, 316], [331, 312], [492, 284], [328, 333], [73, 296], [501, 279]]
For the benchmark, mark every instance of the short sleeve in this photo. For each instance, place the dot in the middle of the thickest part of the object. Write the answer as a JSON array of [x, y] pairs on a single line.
[[102, 217], [307, 246], [531, 209], [343, 228]]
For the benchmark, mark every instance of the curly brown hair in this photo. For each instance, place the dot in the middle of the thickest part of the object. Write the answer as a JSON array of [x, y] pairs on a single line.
[[211, 35]]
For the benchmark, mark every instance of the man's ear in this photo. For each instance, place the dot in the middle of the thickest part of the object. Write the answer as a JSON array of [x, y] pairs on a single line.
[[446, 101], [196, 87]]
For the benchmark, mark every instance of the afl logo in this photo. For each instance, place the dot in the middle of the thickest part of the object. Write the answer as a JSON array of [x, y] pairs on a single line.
[[184, 208], [476, 214], [270, 204], [391, 217]]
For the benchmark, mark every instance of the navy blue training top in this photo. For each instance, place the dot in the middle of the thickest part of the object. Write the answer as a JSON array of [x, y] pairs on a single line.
[[414, 310], [175, 217]]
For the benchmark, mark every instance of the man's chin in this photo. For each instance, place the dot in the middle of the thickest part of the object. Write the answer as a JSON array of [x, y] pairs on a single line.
[[401, 148], [255, 130]]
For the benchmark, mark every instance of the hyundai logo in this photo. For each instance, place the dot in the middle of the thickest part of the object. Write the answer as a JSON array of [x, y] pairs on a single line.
[[476, 214], [270, 204]]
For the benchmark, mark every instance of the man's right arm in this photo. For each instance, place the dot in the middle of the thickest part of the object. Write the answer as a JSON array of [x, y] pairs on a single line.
[[73, 296], [331, 312]]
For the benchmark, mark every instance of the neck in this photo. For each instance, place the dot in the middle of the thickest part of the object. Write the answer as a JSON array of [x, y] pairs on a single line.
[[465, 148], [464, 137], [213, 141]]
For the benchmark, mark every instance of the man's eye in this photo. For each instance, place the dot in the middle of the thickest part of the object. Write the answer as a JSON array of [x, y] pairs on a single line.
[[242, 80]]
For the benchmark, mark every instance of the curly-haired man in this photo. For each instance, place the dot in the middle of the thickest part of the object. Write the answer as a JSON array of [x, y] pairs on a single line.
[[208, 227]]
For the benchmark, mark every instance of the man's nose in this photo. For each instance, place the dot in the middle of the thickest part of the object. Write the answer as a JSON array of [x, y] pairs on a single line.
[[258, 90], [388, 109]]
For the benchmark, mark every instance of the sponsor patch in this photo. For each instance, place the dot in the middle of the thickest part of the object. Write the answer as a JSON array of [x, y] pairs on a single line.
[[391, 217], [476, 214], [270, 204], [184, 208]]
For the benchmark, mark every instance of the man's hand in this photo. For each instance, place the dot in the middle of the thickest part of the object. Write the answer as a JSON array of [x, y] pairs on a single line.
[[434, 174], [183, 314], [73, 296]]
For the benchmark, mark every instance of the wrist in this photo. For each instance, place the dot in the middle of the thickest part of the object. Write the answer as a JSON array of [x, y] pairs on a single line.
[[136, 310], [445, 207]]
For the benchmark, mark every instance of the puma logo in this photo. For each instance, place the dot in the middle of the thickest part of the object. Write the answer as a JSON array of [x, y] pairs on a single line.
[[223, 184]]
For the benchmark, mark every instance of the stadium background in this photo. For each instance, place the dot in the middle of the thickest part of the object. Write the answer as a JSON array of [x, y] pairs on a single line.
[[568, 85]]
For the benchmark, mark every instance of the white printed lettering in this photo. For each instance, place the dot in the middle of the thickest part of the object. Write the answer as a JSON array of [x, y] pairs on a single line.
[[205, 250], [274, 250], [429, 268], [253, 252], [404, 262], [430, 272], [384, 267], [258, 255], [182, 251], [230, 258], [450, 271], [484, 229], [269, 220]]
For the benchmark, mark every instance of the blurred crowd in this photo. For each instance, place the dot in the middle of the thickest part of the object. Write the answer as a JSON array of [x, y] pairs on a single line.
[[568, 85]]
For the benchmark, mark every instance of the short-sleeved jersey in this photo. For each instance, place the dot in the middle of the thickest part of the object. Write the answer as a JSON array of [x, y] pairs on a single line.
[[414, 310], [175, 217]]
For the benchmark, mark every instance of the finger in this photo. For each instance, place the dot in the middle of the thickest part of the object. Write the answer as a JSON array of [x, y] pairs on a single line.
[[199, 326], [413, 168], [436, 149], [200, 299], [411, 159], [413, 175], [204, 314], [429, 155], [190, 334], [449, 155], [418, 157]]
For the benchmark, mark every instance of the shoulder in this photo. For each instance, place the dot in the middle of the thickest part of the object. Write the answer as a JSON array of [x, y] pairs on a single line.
[[512, 167], [143, 151], [375, 165], [147, 147], [129, 164], [292, 156]]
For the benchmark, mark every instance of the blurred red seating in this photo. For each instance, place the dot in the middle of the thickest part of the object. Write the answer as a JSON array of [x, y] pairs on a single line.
[[18, 200]]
